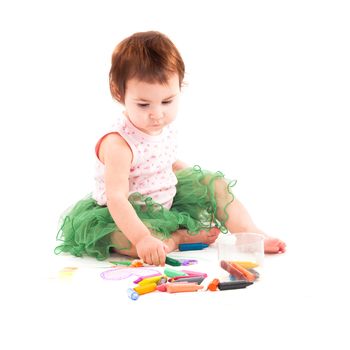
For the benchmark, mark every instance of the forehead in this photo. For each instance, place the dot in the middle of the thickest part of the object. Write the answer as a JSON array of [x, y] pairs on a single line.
[[138, 89]]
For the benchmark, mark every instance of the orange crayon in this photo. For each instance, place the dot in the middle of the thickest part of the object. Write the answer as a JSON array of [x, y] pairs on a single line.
[[232, 270], [247, 274], [182, 287], [137, 263], [246, 264], [213, 285]]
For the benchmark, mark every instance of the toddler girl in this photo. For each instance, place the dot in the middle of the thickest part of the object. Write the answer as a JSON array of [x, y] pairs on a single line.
[[146, 201]]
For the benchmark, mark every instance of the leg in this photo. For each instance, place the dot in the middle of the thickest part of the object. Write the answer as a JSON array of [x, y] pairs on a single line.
[[239, 219], [178, 237], [126, 248]]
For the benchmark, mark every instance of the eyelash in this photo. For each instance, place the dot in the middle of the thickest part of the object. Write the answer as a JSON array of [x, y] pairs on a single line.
[[144, 105]]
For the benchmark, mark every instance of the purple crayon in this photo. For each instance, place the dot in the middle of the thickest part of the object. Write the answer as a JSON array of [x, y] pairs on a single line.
[[192, 246]]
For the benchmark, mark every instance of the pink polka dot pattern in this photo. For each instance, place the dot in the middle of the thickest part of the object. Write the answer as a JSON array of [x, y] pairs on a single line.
[[151, 171]]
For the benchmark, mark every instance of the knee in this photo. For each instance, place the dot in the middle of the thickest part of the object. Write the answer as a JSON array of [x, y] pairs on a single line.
[[221, 189]]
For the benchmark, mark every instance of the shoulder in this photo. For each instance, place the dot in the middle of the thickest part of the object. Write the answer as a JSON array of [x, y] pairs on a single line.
[[114, 146]]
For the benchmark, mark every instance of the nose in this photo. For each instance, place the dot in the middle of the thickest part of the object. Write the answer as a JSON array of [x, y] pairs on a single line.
[[156, 113]]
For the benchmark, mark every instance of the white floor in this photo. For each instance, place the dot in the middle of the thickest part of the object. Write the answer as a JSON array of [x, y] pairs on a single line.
[[301, 301]]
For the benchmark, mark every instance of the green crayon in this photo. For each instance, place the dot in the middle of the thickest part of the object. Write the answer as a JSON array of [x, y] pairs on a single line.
[[172, 262]]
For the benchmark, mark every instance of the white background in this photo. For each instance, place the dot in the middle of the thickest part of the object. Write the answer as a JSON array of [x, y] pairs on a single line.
[[267, 103]]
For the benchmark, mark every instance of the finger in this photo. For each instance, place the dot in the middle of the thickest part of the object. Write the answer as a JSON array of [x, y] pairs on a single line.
[[155, 258], [147, 259], [166, 249], [162, 254]]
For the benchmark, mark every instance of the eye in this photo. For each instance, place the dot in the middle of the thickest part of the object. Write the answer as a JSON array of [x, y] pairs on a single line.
[[143, 105], [167, 102]]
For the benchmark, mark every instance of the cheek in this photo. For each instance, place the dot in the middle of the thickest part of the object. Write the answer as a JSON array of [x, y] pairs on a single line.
[[172, 111], [137, 114]]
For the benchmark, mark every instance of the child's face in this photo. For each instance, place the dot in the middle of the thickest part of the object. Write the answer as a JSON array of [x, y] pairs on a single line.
[[151, 106]]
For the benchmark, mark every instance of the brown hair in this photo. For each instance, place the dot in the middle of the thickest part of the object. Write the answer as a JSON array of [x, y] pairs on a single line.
[[147, 56]]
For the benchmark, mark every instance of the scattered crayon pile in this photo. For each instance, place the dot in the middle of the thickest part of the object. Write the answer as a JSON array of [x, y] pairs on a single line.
[[242, 275], [172, 281]]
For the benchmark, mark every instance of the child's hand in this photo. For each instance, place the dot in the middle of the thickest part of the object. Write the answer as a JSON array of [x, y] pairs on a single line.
[[151, 250]]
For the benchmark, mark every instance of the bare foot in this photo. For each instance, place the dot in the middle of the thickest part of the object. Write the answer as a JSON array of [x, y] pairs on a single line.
[[271, 245], [182, 236], [274, 245]]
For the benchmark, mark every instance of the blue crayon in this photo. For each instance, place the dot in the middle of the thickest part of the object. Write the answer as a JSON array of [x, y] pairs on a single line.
[[192, 246], [132, 294]]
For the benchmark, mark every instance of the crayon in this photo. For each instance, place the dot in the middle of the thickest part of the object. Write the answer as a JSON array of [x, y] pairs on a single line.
[[186, 262], [133, 295], [182, 287], [172, 262], [124, 263], [161, 287], [172, 273], [163, 280], [231, 270], [194, 273], [195, 279], [192, 246], [137, 263], [246, 264], [213, 285], [150, 287], [254, 272], [233, 285], [144, 277], [180, 278], [247, 274], [148, 280]]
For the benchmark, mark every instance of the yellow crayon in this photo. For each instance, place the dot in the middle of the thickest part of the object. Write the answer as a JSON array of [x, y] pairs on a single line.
[[148, 280], [67, 272], [148, 288], [246, 264]]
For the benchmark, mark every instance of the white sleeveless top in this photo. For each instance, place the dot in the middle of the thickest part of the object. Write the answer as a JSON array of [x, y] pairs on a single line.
[[151, 172]]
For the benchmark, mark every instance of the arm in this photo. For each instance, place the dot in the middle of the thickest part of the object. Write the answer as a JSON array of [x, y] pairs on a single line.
[[179, 165], [117, 157]]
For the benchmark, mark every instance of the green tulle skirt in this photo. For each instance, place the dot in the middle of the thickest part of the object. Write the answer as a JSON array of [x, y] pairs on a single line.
[[86, 228]]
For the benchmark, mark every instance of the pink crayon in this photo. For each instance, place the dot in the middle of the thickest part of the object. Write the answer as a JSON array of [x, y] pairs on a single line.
[[143, 277], [194, 273]]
